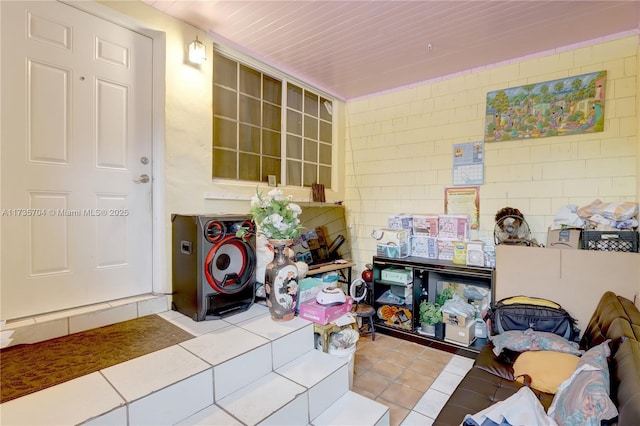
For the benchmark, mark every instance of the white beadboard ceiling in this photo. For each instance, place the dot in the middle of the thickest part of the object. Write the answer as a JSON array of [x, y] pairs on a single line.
[[352, 49]]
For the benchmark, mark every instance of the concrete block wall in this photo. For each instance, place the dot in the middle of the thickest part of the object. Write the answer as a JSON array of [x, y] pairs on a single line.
[[399, 145]]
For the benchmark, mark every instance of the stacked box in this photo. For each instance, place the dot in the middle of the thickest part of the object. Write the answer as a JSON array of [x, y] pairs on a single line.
[[445, 248], [453, 226], [401, 221], [475, 253], [424, 246], [462, 335], [308, 289], [452, 319], [610, 241], [459, 253], [392, 243], [425, 225], [321, 314], [392, 251], [397, 275]]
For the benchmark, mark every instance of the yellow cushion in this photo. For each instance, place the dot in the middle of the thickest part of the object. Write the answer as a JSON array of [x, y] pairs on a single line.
[[547, 369], [530, 301]]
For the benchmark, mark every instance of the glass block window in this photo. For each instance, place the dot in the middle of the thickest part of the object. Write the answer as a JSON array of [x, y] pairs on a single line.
[[255, 135]]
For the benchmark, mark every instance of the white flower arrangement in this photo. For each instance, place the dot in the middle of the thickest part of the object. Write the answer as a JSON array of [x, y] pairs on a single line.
[[275, 215]]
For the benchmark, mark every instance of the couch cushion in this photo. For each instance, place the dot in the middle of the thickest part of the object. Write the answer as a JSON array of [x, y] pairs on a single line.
[[630, 309], [500, 366], [625, 382], [608, 309], [477, 391]]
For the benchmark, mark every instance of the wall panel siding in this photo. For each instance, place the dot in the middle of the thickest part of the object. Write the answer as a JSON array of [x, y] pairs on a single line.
[[399, 145]]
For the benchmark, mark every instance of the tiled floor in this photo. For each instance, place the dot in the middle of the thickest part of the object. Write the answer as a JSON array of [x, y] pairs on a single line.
[[413, 380]]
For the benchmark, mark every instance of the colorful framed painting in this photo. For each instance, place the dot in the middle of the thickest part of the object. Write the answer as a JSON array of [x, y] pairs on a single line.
[[568, 106]]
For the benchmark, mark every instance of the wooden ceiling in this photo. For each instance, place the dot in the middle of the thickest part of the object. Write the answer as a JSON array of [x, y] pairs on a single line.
[[352, 49]]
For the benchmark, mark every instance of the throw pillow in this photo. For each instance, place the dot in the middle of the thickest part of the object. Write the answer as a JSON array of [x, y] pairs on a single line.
[[516, 340], [583, 399], [530, 340], [547, 369], [545, 341]]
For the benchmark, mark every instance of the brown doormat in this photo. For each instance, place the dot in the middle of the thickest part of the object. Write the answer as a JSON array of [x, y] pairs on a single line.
[[32, 367]]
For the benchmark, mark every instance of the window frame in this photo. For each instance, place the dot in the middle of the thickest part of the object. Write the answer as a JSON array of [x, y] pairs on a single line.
[[285, 80]]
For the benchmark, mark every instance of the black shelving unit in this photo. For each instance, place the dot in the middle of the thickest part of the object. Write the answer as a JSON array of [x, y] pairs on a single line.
[[427, 275]]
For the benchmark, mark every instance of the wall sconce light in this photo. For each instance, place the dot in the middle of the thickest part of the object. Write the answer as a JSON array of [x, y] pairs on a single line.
[[197, 52]]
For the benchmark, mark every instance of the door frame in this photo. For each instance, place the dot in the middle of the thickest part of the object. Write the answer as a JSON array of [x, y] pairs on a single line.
[[159, 256]]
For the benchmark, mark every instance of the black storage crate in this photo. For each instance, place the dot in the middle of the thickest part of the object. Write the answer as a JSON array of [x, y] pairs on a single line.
[[610, 240]]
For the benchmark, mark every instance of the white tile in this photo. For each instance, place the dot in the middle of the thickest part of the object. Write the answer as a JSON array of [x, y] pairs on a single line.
[[257, 401], [446, 382], [272, 330], [294, 413], [292, 346], [311, 368], [149, 373], [72, 312], [95, 319], [170, 315], [416, 419], [241, 371], [71, 402], [353, 409], [212, 415], [290, 338], [222, 345], [173, 403], [153, 305], [198, 328], [459, 365], [37, 332], [238, 357], [117, 417], [326, 377], [431, 403]]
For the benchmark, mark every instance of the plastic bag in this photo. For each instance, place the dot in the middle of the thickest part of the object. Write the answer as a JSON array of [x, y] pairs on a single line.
[[457, 306]]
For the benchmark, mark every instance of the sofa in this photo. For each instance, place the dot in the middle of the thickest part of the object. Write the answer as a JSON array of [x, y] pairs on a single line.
[[491, 379]]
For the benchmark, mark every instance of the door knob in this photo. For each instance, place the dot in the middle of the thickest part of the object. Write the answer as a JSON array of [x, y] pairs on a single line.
[[144, 178]]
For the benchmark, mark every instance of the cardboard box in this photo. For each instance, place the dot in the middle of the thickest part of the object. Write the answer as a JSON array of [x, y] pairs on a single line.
[[425, 225], [461, 335], [388, 236], [475, 253], [393, 251], [308, 289], [445, 249], [459, 253], [568, 238], [453, 226], [401, 290], [451, 319], [320, 314], [401, 221], [424, 246], [397, 275]]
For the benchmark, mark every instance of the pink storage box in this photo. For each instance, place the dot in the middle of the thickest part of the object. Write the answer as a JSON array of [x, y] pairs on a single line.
[[453, 226], [320, 314], [425, 225]]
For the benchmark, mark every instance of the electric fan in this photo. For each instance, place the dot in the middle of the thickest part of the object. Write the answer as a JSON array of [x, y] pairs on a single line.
[[511, 228]]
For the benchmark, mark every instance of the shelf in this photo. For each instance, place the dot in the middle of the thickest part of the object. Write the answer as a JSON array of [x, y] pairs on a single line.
[[412, 336], [430, 277]]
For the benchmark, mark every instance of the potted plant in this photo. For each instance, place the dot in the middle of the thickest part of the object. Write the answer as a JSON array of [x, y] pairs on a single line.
[[430, 315]]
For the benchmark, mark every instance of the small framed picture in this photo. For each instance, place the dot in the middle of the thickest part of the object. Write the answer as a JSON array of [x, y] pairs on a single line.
[[272, 180]]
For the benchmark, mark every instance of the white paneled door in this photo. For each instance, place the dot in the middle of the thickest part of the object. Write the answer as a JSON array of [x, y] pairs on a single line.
[[75, 157]]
